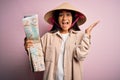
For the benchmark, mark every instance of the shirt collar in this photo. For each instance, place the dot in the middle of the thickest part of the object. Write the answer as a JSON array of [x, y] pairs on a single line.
[[71, 32]]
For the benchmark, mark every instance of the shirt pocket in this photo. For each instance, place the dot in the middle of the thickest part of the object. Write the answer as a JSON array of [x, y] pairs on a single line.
[[49, 54]]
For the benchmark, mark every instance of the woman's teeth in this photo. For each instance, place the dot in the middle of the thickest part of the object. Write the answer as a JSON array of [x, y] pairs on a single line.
[[65, 22]]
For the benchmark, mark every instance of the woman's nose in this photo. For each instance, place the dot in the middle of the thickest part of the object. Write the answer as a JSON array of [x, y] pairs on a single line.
[[64, 17]]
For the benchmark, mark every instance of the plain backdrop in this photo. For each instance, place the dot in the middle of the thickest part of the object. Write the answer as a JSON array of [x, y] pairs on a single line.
[[103, 61]]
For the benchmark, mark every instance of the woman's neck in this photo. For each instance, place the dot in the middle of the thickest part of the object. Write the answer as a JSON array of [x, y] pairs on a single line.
[[64, 32]]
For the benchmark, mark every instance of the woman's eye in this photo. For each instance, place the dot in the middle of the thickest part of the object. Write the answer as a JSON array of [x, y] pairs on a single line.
[[68, 14], [60, 14]]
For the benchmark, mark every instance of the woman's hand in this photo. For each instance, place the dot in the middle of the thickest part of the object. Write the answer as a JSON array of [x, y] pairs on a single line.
[[28, 43], [89, 29]]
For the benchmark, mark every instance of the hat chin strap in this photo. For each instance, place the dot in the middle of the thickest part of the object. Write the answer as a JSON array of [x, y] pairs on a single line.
[[75, 21], [52, 21], [79, 16]]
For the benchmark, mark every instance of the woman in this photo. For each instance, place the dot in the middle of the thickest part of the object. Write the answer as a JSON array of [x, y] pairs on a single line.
[[64, 46]]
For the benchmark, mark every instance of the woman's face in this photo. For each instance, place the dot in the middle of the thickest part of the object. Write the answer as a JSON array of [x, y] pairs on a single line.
[[65, 20]]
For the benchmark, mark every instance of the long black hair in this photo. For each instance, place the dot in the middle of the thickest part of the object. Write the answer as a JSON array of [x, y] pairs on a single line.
[[56, 28]]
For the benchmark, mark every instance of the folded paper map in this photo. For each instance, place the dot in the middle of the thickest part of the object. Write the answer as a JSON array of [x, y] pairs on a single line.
[[36, 56]]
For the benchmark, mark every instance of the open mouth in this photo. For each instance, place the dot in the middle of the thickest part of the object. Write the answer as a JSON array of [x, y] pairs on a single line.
[[65, 22]]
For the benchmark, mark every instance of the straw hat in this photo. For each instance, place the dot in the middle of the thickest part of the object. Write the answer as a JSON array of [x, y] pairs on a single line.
[[65, 6]]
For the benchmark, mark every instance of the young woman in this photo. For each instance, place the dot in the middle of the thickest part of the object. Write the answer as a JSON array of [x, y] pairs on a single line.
[[65, 45]]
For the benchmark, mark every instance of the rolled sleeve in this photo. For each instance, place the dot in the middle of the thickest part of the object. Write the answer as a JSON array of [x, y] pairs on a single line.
[[81, 50]]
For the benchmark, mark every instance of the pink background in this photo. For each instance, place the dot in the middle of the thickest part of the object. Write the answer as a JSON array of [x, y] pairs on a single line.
[[102, 63]]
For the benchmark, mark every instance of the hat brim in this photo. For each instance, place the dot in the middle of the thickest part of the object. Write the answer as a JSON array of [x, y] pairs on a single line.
[[65, 6]]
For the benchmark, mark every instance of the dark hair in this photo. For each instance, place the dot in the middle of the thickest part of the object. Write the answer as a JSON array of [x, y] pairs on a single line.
[[56, 28]]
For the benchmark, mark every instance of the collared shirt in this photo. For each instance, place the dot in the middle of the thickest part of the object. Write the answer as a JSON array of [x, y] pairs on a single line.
[[76, 47]]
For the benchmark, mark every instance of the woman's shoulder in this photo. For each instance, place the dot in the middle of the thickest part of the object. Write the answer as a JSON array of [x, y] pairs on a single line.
[[47, 34], [78, 32]]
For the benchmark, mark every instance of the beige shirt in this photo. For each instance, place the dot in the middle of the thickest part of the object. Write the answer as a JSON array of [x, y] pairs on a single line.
[[76, 49]]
